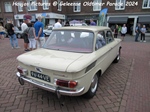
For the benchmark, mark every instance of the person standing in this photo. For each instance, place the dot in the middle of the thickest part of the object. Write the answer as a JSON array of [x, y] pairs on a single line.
[[57, 24], [137, 31], [143, 31], [31, 34], [123, 31], [11, 34], [39, 35], [24, 35], [116, 31], [92, 23], [2, 31]]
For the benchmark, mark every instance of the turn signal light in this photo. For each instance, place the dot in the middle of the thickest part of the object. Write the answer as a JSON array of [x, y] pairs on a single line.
[[70, 84], [22, 71]]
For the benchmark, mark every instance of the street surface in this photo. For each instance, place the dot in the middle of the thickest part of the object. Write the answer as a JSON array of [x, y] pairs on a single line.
[[124, 87]]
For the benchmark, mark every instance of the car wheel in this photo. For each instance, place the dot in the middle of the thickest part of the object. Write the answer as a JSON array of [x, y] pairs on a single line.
[[18, 35], [118, 57], [93, 88]]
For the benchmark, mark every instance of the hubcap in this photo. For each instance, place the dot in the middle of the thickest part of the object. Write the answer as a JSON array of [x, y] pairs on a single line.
[[19, 36], [94, 83]]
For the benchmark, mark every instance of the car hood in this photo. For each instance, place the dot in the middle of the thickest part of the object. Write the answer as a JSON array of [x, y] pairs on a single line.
[[54, 60]]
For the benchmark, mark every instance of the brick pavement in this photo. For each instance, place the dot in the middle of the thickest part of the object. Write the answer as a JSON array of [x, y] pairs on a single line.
[[124, 87]]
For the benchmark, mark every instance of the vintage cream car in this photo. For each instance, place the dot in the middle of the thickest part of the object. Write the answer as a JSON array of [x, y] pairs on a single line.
[[71, 61]]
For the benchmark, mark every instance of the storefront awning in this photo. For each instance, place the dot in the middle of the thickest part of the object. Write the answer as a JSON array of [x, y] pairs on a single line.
[[118, 20], [144, 19]]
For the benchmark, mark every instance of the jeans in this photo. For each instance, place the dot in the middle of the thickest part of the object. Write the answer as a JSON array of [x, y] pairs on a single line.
[[40, 42], [136, 36], [13, 40]]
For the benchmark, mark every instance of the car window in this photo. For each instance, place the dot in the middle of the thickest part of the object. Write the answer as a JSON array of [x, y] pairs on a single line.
[[74, 41], [16, 29], [109, 37], [100, 40]]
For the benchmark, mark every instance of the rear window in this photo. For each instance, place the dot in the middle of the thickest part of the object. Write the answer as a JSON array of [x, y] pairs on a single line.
[[72, 41]]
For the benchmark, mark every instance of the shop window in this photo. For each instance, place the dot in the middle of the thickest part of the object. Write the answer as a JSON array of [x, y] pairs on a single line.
[[32, 5], [45, 4], [20, 6], [120, 5], [96, 5], [77, 7], [8, 7], [59, 7], [146, 4]]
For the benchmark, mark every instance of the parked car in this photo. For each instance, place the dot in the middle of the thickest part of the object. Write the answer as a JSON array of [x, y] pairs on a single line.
[[48, 31], [18, 32], [79, 24], [71, 61]]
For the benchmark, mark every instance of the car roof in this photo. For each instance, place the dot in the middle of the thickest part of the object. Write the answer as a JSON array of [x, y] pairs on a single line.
[[90, 28]]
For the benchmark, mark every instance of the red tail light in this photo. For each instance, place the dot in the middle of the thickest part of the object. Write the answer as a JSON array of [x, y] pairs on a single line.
[[22, 71], [70, 84]]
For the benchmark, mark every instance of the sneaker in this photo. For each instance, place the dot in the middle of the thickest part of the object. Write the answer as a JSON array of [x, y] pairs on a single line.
[[12, 47], [144, 41], [140, 40], [17, 47], [26, 50]]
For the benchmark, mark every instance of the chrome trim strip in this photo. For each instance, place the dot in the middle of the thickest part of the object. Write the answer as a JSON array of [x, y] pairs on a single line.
[[51, 88]]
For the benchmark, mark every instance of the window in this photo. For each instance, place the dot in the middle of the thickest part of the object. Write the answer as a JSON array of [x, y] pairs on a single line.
[[59, 5], [45, 4], [109, 37], [120, 5], [97, 5], [70, 41], [20, 6], [32, 5], [8, 7], [77, 7], [100, 40], [146, 4]]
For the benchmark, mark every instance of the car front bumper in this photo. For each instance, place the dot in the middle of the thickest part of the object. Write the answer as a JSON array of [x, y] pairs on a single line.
[[50, 88]]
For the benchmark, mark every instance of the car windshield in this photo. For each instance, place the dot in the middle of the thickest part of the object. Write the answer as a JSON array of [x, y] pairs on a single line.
[[72, 41]]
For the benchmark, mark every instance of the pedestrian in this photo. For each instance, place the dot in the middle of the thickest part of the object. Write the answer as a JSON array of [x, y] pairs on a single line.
[[39, 35], [92, 23], [67, 23], [58, 24], [2, 32], [24, 35], [11, 34], [31, 36], [137, 31], [116, 31], [123, 31], [143, 31]]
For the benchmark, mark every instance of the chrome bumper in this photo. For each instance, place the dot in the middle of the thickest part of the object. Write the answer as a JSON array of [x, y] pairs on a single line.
[[51, 88]]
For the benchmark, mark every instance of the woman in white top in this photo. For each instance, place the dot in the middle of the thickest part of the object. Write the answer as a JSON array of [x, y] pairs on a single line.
[[123, 31]]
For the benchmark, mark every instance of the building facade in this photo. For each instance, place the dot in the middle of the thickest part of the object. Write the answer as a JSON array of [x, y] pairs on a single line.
[[119, 11]]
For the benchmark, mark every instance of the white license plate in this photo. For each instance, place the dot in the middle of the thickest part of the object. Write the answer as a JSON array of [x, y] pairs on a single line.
[[40, 76]]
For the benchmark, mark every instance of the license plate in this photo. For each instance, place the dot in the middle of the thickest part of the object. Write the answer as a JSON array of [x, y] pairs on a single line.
[[40, 76]]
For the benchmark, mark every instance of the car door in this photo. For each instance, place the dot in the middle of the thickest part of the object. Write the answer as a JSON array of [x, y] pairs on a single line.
[[102, 52], [112, 46]]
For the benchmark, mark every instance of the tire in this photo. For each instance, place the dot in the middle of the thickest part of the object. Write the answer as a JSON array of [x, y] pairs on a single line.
[[118, 57], [93, 87], [18, 36]]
